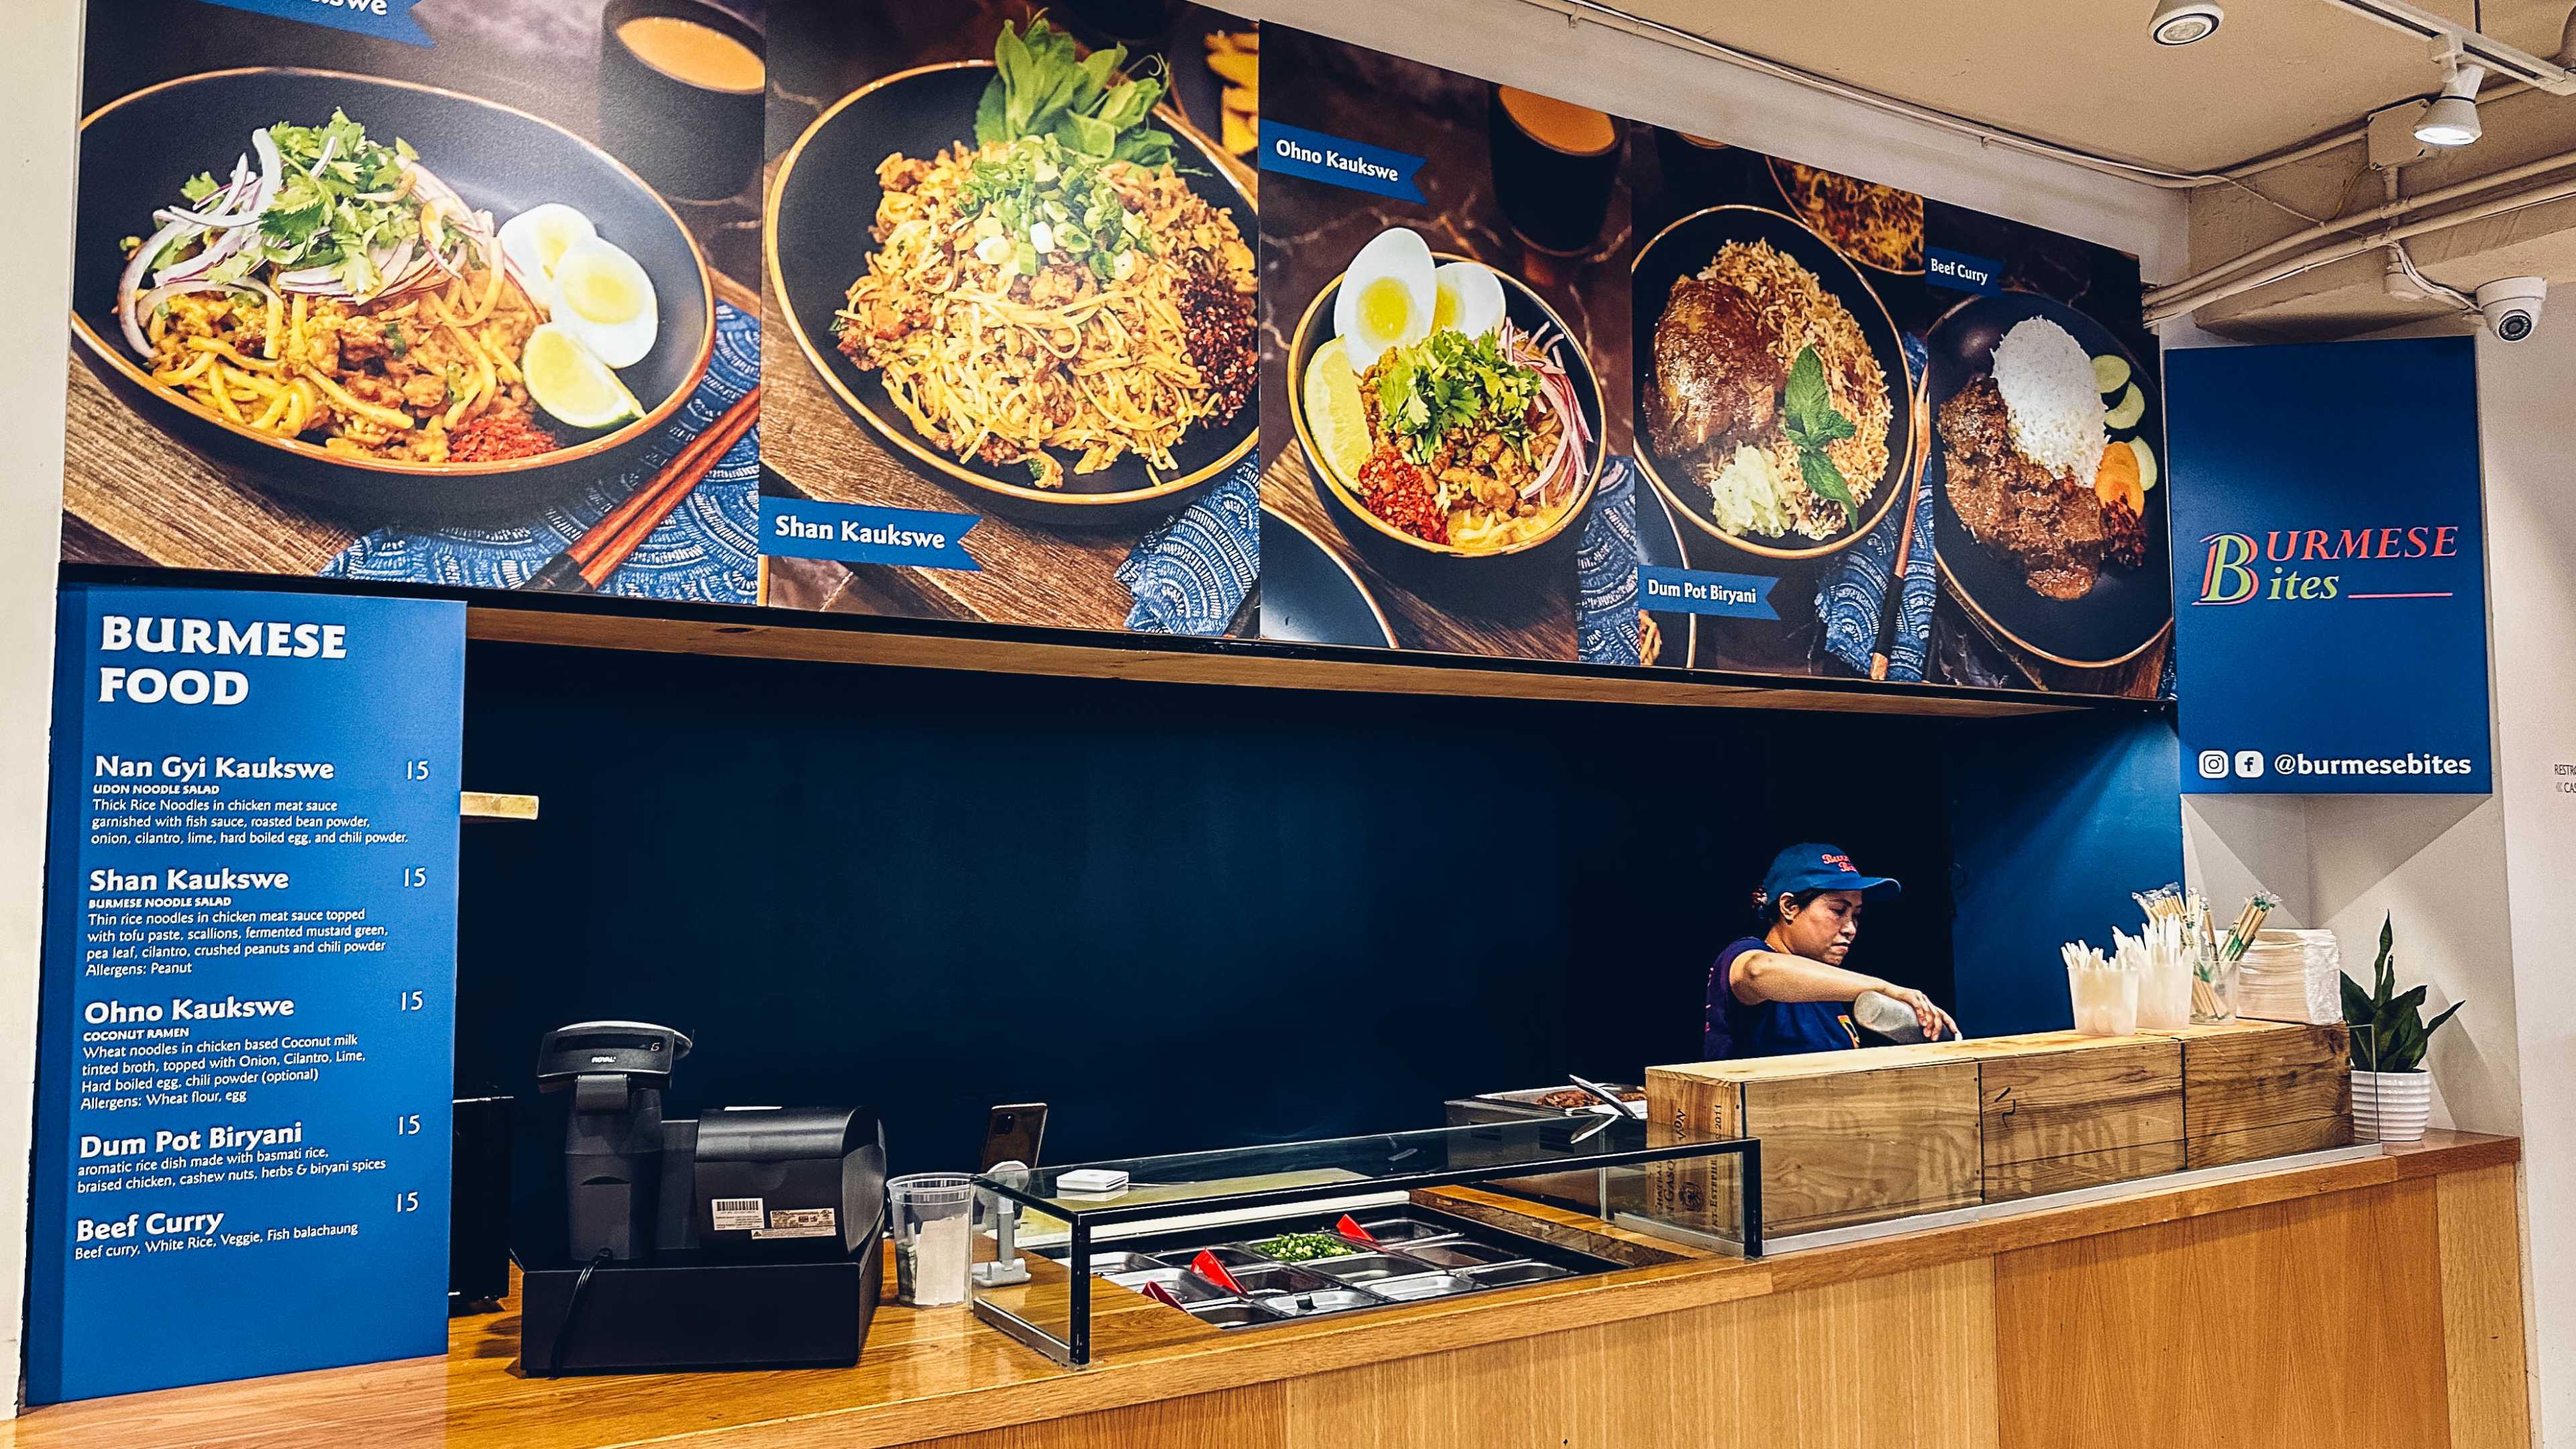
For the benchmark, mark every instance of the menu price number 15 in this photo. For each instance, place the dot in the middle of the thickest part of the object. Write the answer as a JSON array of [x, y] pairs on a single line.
[[416, 771]]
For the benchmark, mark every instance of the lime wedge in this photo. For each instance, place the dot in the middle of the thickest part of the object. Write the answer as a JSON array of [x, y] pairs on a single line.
[[2133, 406], [2146, 463], [574, 387], [1333, 411], [2110, 373]]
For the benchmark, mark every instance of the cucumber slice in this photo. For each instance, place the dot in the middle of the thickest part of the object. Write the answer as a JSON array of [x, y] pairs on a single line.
[[2133, 406], [2146, 463], [2110, 373]]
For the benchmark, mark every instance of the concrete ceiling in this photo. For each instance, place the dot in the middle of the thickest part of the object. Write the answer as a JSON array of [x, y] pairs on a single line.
[[2083, 72]]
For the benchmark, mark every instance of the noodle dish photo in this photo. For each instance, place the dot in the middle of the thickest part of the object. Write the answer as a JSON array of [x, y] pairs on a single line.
[[1020, 278]]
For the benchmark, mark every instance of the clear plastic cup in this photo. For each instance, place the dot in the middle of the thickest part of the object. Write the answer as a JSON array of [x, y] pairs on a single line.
[[934, 1241]]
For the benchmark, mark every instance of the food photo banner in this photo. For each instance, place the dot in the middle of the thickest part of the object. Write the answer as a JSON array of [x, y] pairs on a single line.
[[1050, 318], [2330, 598], [462, 294]]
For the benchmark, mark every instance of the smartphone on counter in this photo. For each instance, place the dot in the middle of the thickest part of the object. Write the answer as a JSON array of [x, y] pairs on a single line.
[[1013, 1133]]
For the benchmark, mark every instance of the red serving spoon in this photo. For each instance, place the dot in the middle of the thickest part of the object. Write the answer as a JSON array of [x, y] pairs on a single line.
[[1206, 1266], [1350, 1228]]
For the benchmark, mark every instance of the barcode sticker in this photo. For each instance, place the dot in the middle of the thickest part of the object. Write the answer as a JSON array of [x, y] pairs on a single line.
[[819, 1222], [737, 1214]]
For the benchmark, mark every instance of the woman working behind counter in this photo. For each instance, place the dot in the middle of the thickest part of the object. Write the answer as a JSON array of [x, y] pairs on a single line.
[[1785, 990]]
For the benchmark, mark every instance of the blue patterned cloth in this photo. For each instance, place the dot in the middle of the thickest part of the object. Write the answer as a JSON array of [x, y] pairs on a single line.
[[1191, 574], [1853, 594], [1605, 570], [706, 551]]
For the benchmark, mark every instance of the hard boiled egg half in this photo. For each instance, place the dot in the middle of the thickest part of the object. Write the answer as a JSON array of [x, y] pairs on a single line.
[[606, 302], [1387, 298], [1470, 298], [535, 241]]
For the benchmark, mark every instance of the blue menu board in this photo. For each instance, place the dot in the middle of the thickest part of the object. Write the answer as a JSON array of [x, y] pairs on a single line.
[[246, 1060]]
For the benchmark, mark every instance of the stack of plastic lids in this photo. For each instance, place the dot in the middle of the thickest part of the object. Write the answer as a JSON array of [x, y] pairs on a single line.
[[2291, 976]]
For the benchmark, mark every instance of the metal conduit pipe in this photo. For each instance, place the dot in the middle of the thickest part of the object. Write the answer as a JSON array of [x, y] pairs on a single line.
[[2184, 291], [2339, 251]]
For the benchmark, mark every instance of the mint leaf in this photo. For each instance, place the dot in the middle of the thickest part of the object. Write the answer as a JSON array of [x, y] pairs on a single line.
[[1805, 398], [992, 113], [1826, 481]]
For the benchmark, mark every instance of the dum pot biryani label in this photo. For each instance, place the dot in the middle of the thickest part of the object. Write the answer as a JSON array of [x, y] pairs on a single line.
[[1698, 591], [384, 19]]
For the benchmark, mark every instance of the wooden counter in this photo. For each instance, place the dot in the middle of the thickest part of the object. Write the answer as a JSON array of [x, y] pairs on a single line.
[[2371, 1302]]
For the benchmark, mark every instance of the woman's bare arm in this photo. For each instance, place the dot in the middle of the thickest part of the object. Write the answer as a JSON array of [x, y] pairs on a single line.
[[1759, 976]]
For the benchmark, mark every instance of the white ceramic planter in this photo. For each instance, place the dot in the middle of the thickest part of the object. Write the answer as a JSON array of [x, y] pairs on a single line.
[[2391, 1106]]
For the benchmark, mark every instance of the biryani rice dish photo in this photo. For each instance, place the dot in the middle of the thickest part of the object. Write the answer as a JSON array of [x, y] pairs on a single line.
[[1874, 225], [2033, 469], [1767, 394], [1441, 417], [1054, 291], [336, 291]]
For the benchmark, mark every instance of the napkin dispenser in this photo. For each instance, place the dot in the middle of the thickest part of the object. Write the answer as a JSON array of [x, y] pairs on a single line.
[[788, 1183]]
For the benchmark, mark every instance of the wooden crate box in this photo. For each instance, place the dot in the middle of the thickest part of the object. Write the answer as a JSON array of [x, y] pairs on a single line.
[[1847, 1137], [2062, 1111], [2257, 1089]]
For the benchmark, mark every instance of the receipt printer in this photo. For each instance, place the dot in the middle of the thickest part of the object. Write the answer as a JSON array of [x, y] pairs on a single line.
[[776, 1183]]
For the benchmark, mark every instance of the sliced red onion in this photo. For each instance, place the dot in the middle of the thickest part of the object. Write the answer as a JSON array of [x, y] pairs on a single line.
[[330, 144], [224, 244], [145, 304], [131, 283], [272, 171]]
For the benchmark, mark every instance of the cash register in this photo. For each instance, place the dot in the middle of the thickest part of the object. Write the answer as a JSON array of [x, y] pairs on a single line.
[[748, 1237]]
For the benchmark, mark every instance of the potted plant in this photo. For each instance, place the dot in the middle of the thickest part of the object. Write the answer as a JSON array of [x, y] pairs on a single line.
[[2392, 1094]]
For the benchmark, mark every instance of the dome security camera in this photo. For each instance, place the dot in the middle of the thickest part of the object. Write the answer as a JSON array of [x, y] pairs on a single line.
[[2180, 22], [2511, 306]]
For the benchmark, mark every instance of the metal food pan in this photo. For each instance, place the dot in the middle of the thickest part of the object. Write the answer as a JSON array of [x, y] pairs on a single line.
[[1369, 1267], [1532, 1096], [1228, 1254], [1320, 1300], [1424, 1285], [1104, 1264], [1405, 1227], [1232, 1313], [1187, 1286], [1279, 1278], [1460, 1253], [1512, 1275]]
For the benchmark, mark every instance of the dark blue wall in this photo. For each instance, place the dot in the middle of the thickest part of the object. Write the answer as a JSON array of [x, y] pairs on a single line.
[[2054, 820], [1185, 917]]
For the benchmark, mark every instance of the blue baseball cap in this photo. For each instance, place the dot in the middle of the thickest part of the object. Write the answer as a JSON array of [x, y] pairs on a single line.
[[1815, 866]]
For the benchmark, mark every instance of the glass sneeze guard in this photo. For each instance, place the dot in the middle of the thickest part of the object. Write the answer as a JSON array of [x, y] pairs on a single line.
[[1055, 1315]]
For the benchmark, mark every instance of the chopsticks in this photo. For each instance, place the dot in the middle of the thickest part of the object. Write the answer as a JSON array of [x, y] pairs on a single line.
[[614, 538], [2249, 923], [1894, 603]]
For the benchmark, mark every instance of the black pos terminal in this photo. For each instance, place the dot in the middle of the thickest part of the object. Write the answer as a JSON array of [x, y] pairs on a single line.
[[749, 1237]]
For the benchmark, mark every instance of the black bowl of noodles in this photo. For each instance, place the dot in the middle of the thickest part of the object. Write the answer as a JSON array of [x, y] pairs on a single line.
[[137, 151], [821, 242]]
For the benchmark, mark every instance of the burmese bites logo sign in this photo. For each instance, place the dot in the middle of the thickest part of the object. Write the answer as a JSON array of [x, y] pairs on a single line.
[[2292, 565], [2330, 603]]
